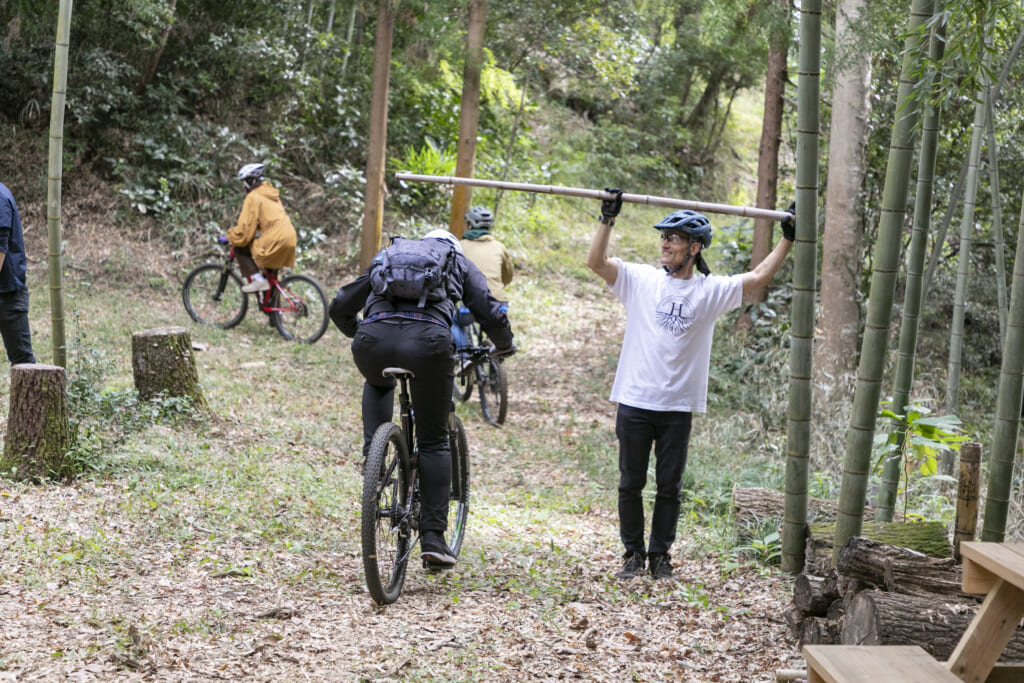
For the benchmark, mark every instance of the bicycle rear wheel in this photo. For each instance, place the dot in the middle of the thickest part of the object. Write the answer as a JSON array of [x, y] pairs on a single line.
[[458, 507], [302, 309], [386, 523], [493, 391], [213, 295]]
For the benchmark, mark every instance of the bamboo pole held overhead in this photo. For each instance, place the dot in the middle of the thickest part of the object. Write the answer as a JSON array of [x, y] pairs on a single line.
[[649, 200]]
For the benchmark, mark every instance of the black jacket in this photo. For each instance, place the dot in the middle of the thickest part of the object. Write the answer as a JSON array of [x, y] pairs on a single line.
[[358, 296]]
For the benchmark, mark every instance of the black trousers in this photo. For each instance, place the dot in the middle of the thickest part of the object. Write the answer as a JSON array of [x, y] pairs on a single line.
[[246, 264], [427, 349], [14, 327], [669, 432]]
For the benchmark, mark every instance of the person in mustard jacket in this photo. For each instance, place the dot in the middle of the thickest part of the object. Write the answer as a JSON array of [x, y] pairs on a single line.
[[264, 236], [491, 257]]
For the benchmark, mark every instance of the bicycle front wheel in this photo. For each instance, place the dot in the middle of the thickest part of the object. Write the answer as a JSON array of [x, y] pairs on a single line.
[[213, 295], [493, 391], [386, 524], [458, 507], [301, 309]]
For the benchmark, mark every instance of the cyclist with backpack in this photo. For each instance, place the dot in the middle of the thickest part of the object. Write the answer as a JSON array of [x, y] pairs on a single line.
[[662, 375], [491, 257], [264, 236], [407, 298]]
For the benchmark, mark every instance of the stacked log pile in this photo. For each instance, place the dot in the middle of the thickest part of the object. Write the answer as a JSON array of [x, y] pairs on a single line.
[[883, 594], [896, 584]]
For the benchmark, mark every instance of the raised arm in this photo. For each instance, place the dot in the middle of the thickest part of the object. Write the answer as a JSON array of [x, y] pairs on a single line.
[[764, 271], [597, 256]]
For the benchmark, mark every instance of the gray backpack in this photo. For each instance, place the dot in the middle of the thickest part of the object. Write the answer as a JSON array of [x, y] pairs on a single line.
[[413, 270]]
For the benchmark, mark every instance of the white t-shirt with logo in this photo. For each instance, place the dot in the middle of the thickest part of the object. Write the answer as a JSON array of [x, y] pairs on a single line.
[[666, 349]]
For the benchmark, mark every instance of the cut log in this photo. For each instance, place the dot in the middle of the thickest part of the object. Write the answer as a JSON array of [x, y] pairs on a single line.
[[793, 618], [752, 508], [817, 631], [929, 538], [897, 569], [38, 435], [162, 363], [880, 618], [812, 595]]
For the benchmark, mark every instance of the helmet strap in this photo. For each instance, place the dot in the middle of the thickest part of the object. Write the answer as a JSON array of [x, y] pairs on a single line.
[[673, 271]]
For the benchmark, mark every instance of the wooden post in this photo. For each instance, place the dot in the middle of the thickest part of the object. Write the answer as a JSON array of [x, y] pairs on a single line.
[[162, 362], [38, 436], [967, 495]]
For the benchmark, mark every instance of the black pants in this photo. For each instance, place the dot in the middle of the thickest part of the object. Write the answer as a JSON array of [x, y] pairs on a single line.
[[14, 327], [426, 349], [669, 432]]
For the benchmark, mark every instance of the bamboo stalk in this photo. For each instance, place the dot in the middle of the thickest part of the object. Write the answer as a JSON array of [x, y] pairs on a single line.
[[649, 200]]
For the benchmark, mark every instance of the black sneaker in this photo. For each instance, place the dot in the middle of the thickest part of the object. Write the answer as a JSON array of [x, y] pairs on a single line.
[[632, 564], [661, 568], [435, 552]]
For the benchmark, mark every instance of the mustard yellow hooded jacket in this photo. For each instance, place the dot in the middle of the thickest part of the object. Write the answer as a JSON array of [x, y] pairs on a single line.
[[265, 228], [491, 257]]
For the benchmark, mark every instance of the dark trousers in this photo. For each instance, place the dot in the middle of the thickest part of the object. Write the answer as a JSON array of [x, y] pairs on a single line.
[[14, 327], [243, 256], [669, 432], [427, 349]]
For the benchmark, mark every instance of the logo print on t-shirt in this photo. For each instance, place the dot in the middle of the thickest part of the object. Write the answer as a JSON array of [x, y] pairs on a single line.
[[675, 314]]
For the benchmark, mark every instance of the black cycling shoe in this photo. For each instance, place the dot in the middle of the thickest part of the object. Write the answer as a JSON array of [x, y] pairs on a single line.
[[632, 564], [435, 552], [661, 567]]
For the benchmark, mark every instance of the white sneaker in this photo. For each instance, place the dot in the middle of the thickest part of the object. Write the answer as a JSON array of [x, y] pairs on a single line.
[[256, 283]]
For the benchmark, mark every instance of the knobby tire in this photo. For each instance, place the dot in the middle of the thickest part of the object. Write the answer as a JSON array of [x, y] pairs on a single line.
[[458, 508], [386, 527], [214, 296], [304, 318], [493, 391]]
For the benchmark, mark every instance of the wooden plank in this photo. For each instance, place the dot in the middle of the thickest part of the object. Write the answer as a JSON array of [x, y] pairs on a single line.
[[977, 579], [874, 664], [1009, 672], [1001, 559], [989, 632]]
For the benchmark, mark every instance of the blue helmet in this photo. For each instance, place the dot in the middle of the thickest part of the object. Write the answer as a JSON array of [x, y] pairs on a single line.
[[695, 225]]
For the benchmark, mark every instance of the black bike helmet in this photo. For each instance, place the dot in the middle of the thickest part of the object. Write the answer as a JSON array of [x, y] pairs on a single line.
[[251, 175], [479, 217], [692, 224]]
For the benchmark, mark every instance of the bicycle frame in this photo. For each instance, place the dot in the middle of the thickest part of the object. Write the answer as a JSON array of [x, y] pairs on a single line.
[[410, 510], [268, 300]]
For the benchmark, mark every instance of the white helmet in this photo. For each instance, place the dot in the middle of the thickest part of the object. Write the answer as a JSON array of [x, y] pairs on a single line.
[[251, 175], [444, 236]]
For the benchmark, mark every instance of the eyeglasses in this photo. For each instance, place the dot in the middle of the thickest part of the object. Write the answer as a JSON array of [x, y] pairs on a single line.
[[671, 237]]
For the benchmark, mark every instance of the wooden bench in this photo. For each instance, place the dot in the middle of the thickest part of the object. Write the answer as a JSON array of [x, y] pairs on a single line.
[[874, 664]]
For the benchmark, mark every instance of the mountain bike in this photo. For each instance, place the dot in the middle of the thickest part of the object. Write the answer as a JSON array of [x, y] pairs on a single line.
[[391, 496], [296, 304], [478, 365]]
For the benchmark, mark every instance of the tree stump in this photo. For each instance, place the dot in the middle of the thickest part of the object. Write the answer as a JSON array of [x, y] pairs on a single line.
[[880, 618], [162, 363], [899, 570], [38, 436]]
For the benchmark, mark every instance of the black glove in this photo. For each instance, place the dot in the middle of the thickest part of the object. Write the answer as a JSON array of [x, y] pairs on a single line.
[[789, 224], [610, 207]]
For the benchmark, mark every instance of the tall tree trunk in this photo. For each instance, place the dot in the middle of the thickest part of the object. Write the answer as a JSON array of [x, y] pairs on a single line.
[[836, 354], [768, 155], [954, 197], [53, 185], [148, 72], [350, 46], [469, 114], [373, 212], [956, 336], [1008, 405], [330, 16], [997, 214], [912, 296], [853, 489], [794, 526]]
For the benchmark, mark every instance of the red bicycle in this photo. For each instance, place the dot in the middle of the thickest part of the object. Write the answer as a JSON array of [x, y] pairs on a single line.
[[296, 304]]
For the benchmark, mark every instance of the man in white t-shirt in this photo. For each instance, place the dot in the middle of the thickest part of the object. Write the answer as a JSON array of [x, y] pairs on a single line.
[[662, 376]]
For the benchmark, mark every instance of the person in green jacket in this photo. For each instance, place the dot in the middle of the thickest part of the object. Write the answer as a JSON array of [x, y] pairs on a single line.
[[491, 257], [264, 236]]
